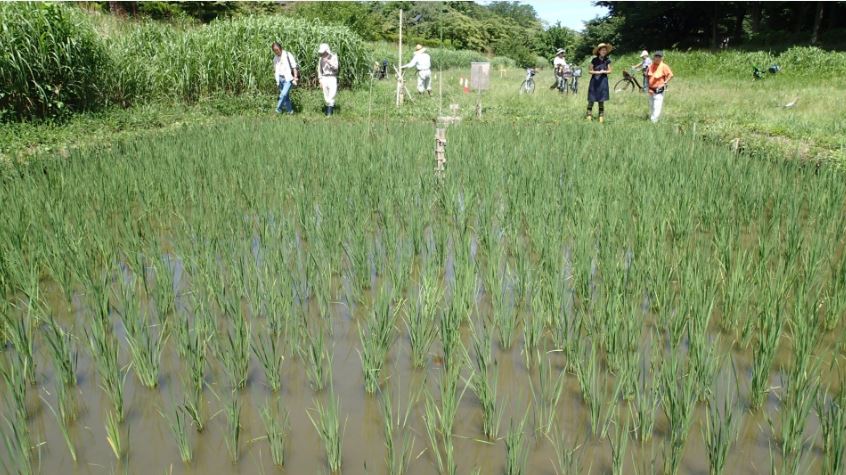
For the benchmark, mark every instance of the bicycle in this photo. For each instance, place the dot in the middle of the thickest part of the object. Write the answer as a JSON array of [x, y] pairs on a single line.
[[627, 84], [528, 84]]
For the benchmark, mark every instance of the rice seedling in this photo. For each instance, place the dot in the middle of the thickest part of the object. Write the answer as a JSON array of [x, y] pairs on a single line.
[[516, 448], [319, 369], [398, 456], [63, 426], [770, 327], [178, 428], [719, 432], [546, 397], [234, 351], [20, 330], [18, 448], [15, 383], [113, 436], [533, 329], [376, 341], [233, 427], [619, 442], [422, 321], [587, 374], [145, 348], [104, 352], [276, 427], [567, 456], [646, 401], [831, 412], [326, 420], [271, 358], [63, 352], [484, 380], [679, 398]]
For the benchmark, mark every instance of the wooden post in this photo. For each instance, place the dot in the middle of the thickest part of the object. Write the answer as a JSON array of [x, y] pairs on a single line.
[[440, 149], [400, 80]]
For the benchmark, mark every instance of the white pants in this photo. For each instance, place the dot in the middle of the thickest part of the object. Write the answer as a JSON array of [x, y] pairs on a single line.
[[656, 102], [329, 84], [424, 80]]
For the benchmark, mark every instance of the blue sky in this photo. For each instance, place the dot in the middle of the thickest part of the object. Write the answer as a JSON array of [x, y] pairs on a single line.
[[572, 14]]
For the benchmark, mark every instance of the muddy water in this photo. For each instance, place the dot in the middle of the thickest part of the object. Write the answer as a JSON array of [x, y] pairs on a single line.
[[152, 449]]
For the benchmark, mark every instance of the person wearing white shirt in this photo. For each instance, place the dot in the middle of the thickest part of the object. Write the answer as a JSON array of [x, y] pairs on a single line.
[[327, 74], [559, 66], [423, 62], [287, 74]]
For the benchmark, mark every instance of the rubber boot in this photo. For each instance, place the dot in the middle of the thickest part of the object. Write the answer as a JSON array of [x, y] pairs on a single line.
[[589, 116], [602, 119]]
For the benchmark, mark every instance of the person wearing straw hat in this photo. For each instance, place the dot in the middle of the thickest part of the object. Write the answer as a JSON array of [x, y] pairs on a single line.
[[559, 66], [643, 65], [423, 63], [599, 69], [327, 75], [659, 76]]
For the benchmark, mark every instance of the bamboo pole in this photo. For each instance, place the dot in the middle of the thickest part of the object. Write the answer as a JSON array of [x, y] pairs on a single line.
[[400, 80]]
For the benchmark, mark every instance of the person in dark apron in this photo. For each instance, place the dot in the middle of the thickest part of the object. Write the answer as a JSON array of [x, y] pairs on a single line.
[[600, 68]]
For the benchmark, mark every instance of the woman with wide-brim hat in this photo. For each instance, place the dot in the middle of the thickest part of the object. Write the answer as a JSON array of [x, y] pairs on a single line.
[[599, 69]]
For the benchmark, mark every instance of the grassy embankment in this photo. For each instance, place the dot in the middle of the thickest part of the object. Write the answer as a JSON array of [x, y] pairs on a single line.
[[714, 95]]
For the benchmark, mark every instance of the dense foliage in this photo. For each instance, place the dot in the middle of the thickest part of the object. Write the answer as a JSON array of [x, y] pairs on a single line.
[[52, 61], [637, 25], [229, 55]]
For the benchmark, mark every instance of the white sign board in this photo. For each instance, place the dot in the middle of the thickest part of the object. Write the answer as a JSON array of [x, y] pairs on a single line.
[[480, 76]]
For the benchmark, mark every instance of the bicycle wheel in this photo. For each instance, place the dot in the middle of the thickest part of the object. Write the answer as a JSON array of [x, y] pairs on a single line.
[[530, 86], [624, 85]]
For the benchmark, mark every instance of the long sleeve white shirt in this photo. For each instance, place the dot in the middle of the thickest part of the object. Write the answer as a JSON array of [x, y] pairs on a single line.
[[284, 65], [559, 61], [422, 61]]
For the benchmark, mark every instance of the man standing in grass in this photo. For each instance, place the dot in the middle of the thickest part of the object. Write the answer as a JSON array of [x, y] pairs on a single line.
[[659, 75], [327, 74], [287, 74], [423, 62]]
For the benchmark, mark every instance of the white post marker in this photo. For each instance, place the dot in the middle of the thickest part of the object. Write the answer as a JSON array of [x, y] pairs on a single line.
[[480, 80], [400, 80]]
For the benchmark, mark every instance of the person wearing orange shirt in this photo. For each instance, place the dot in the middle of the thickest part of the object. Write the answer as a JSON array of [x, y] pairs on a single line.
[[659, 75]]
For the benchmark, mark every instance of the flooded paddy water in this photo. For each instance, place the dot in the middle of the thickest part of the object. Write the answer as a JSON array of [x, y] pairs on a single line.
[[621, 304]]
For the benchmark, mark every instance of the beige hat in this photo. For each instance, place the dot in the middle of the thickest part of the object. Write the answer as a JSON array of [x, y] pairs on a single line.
[[323, 48], [559, 51], [607, 46], [644, 54], [419, 49]]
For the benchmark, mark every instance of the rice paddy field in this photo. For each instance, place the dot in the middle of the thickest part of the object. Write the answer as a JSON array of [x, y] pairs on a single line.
[[265, 294]]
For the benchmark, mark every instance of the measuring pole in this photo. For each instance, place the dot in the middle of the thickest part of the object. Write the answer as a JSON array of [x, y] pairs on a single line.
[[400, 80]]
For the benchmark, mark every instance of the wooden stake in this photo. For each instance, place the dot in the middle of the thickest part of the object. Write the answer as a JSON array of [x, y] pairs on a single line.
[[400, 80]]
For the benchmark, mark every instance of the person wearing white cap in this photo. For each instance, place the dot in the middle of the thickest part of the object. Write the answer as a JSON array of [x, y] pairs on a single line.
[[559, 66], [423, 62], [643, 65], [327, 74]]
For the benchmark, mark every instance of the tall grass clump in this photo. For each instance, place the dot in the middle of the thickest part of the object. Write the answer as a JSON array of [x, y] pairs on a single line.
[[59, 64], [233, 55]]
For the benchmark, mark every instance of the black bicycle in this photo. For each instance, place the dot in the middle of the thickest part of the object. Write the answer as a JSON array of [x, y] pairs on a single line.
[[627, 84]]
